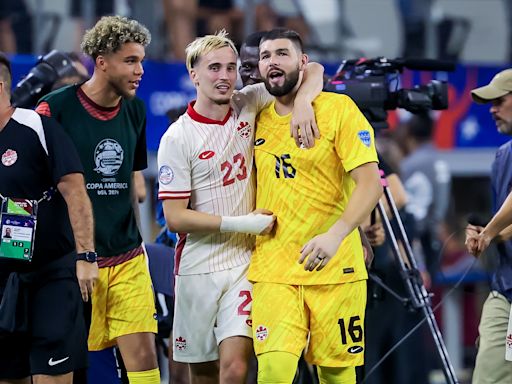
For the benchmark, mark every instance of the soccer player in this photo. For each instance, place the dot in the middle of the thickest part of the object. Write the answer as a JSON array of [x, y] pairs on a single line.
[[309, 274], [108, 126], [206, 181]]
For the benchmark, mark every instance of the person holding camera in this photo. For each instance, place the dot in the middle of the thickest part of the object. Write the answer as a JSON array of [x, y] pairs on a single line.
[[492, 365], [107, 123], [42, 329]]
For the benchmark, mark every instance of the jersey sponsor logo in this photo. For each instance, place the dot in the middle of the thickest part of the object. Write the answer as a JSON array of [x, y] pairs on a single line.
[[9, 157], [165, 175], [355, 349], [365, 137], [261, 332], [244, 129], [181, 344], [259, 141], [108, 157], [52, 362], [206, 155]]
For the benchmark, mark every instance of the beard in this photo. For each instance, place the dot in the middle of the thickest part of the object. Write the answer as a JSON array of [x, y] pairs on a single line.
[[290, 81]]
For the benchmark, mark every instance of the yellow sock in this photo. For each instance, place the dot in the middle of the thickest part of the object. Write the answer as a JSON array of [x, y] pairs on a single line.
[[144, 377], [337, 375], [276, 367]]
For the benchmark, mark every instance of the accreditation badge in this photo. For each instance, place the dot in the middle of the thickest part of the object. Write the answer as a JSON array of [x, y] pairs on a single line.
[[508, 341], [18, 219]]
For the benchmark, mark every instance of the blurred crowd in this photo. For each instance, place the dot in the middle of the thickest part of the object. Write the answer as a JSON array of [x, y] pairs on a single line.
[[326, 28]]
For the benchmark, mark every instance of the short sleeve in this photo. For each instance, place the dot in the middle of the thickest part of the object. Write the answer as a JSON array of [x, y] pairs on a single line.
[[257, 95], [62, 155], [174, 170], [354, 137]]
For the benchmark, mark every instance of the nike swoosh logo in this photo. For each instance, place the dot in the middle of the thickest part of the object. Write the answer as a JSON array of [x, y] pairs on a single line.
[[355, 349], [52, 362]]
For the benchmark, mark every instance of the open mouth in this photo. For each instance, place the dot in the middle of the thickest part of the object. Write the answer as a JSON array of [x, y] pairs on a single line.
[[275, 76], [135, 83], [223, 87]]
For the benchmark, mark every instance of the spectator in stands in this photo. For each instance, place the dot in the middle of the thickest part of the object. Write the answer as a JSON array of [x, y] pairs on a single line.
[[180, 21], [15, 27]]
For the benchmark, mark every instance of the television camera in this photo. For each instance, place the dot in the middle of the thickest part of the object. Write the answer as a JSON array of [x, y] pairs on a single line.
[[373, 84]]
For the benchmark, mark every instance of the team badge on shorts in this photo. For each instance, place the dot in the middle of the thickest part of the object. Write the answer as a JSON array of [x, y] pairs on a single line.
[[9, 157], [261, 332], [165, 175], [365, 137], [181, 344]]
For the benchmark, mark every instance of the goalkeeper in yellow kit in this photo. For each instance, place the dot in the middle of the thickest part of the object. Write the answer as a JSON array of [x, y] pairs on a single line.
[[309, 276]]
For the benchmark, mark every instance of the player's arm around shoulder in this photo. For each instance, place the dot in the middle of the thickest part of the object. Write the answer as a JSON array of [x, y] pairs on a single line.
[[303, 126]]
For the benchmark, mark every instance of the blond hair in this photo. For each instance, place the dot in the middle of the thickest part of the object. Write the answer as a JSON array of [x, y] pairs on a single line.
[[110, 33], [206, 44]]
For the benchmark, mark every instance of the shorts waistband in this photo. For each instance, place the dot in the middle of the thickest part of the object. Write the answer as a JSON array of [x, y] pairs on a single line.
[[121, 258]]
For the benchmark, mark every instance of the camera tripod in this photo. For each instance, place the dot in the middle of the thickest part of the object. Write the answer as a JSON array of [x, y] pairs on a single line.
[[419, 298]]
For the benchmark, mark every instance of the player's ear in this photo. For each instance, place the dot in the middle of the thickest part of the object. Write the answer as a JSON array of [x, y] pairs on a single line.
[[100, 62], [193, 77], [304, 61]]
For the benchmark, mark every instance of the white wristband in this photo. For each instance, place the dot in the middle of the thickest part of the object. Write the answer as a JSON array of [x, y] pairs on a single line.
[[252, 223]]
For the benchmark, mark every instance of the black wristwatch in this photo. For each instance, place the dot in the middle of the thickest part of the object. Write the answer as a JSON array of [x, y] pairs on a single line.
[[89, 256]]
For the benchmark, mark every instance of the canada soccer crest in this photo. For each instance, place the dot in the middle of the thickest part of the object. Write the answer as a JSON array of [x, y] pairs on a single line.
[[181, 344], [244, 129], [9, 157], [261, 332]]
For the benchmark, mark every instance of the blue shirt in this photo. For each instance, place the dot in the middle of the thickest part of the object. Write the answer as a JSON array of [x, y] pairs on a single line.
[[501, 182]]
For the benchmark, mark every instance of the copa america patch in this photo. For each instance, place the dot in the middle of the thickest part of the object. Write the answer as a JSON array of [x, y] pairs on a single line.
[[261, 332], [365, 137], [9, 157], [165, 175]]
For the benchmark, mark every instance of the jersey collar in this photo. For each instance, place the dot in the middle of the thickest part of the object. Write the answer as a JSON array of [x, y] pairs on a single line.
[[203, 119]]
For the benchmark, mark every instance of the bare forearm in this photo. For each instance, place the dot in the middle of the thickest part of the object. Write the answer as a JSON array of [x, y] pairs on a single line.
[[81, 218], [501, 219], [312, 84], [363, 200], [190, 221], [505, 234], [72, 188]]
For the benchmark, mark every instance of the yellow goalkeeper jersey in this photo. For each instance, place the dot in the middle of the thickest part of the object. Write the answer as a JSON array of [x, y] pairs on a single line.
[[308, 189]]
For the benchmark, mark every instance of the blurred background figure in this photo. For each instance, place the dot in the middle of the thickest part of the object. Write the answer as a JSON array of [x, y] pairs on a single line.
[[15, 27], [427, 180]]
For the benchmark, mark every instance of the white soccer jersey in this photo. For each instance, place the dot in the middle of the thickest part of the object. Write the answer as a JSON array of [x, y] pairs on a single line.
[[210, 162]]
